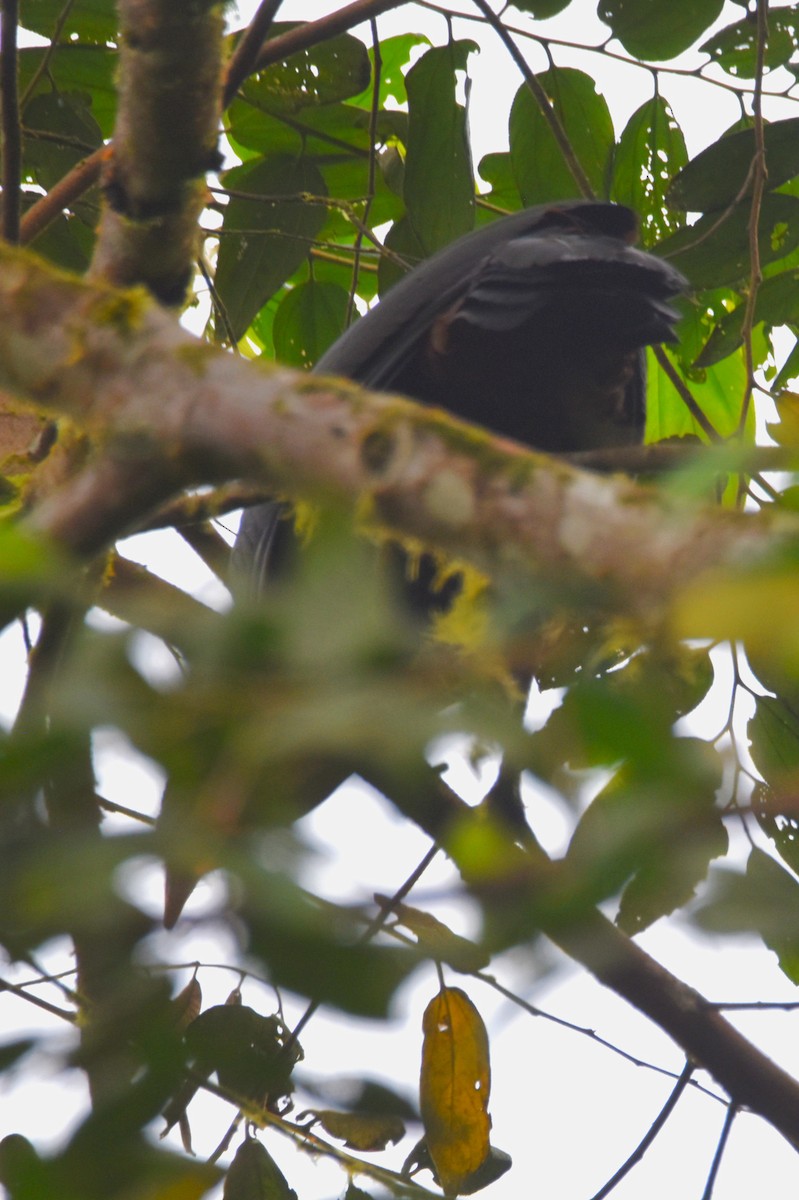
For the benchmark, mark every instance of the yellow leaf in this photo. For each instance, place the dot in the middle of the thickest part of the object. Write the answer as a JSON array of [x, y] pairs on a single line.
[[758, 608], [454, 1088], [362, 1131], [785, 432], [437, 939], [187, 1004]]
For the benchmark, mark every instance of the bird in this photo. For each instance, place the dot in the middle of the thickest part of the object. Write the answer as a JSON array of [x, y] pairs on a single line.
[[533, 326]]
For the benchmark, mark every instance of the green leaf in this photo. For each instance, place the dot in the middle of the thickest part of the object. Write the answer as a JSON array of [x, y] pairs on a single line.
[[439, 184], [497, 170], [395, 56], [254, 1175], [308, 320], [67, 242], [777, 303], [75, 68], [361, 1131], [712, 253], [650, 152], [330, 133], [541, 9], [538, 165], [332, 70], [782, 828], [718, 390], [311, 948], [658, 29], [659, 829], [12, 1052], [765, 901], [267, 232], [88, 21], [670, 879], [716, 177], [403, 241], [73, 133], [735, 47], [247, 1051], [773, 733]]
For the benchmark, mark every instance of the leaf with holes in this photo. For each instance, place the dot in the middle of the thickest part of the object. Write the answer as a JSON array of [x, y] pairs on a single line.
[[658, 29], [650, 152], [454, 1088]]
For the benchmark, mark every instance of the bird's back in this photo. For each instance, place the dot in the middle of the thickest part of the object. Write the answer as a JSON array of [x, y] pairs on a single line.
[[533, 326]]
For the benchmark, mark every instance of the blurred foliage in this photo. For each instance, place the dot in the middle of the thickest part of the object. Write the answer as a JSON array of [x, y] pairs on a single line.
[[347, 167]]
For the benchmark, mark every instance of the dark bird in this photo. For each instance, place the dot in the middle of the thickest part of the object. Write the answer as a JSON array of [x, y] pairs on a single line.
[[533, 326]]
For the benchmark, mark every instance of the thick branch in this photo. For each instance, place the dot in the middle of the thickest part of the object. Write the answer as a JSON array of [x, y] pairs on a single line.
[[170, 83], [170, 412]]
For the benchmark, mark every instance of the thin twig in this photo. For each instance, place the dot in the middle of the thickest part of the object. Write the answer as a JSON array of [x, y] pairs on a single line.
[[684, 392], [302, 37], [732, 1113], [759, 175], [9, 113], [650, 1135], [370, 182], [245, 56], [542, 100], [44, 62], [17, 990], [83, 176]]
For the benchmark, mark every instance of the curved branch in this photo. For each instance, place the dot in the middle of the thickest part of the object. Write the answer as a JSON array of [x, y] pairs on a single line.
[[170, 412]]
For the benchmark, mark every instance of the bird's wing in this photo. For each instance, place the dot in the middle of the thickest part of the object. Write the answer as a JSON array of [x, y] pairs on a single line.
[[376, 348], [543, 268]]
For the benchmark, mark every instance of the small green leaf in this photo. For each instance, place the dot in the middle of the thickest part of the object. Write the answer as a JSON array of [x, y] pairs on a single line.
[[651, 151], [332, 70], [395, 56], [735, 47], [361, 1131], [717, 390], [67, 119], [777, 303], [402, 240], [309, 319]]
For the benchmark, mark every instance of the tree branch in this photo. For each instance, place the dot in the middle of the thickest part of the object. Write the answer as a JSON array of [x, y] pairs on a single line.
[[168, 412], [165, 140]]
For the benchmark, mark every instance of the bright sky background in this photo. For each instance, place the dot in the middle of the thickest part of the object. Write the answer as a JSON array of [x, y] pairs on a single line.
[[567, 1109]]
